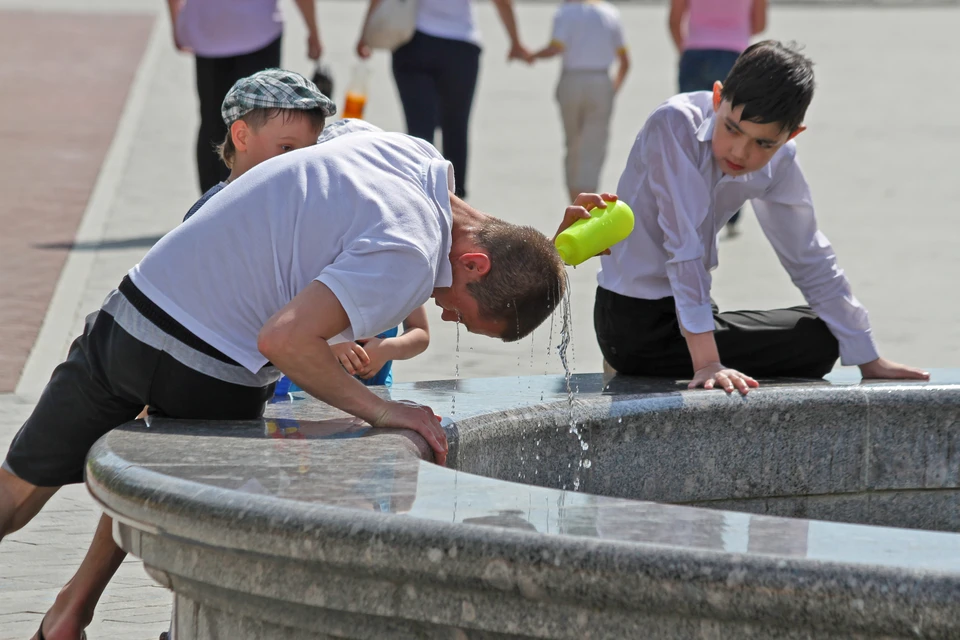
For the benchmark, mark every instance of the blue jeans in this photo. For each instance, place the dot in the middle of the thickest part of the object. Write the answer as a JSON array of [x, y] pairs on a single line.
[[700, 68]]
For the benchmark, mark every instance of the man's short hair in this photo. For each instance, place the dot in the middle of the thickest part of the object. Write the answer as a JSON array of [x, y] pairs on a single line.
[[773, 82], [526, 279]]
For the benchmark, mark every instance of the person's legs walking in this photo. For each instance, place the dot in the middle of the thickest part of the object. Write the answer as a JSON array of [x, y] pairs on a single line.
[[413, 72], [595, 130], [569, 97], [211, 76], [457, 83], [215, 77]]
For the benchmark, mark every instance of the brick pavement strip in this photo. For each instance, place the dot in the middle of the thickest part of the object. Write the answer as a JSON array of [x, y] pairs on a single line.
[[92, 60]]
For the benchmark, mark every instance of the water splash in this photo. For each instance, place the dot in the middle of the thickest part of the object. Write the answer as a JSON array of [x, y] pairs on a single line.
[[566, 336], [456, 372]]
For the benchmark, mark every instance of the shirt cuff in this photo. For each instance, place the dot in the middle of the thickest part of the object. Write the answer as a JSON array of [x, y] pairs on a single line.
[[858, 349], [696, 319]]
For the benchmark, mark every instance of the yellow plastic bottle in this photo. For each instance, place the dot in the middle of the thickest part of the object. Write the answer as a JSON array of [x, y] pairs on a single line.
[[590, 236]]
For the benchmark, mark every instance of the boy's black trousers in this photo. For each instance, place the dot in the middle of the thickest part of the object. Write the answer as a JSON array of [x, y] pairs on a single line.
[[642, 337]]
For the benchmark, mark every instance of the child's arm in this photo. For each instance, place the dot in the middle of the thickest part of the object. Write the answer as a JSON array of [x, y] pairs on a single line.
[[353, 358], [509, 20], [786, 215], [678, 11], [413, 342], [557, 35], [555, 47], [308, 9], [708, 370], [624, 59], [758, 17], [683, 198]]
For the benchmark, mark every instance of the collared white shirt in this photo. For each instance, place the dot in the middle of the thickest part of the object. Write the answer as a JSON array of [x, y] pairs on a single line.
[[681, 200]]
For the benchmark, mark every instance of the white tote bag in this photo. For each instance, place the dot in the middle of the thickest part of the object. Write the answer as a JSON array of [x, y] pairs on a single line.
[[391, 24]]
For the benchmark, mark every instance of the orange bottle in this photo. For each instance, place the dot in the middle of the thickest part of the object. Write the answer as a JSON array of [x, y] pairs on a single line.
[[356, 98]]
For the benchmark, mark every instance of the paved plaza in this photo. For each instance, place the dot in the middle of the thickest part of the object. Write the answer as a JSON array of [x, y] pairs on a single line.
[[98, 118]]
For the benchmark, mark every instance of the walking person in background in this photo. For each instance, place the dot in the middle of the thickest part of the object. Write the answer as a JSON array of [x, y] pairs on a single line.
[[230, 40], [590, 36], [710, 36], [436, 72]]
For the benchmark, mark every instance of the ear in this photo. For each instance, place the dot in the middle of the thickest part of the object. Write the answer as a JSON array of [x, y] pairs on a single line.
[[239, 131], [717, 97], [476, 263], [796, 132]]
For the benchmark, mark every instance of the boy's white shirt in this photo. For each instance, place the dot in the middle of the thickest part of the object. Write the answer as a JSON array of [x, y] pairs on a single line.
[[682, 200], [591, 34], [368, 215]]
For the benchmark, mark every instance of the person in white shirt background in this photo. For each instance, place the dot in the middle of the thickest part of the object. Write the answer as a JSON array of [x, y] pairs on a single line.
[[590, 36], [436, 73], [697, 160]]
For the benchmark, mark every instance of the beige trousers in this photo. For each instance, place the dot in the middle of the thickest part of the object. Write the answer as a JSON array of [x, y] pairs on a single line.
[[586, 104]]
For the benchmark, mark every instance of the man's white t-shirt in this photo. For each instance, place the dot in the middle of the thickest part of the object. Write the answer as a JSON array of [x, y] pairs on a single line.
[[368, 215]]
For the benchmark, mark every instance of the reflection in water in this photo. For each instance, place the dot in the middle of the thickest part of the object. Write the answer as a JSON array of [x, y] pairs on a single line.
[[335, 462]]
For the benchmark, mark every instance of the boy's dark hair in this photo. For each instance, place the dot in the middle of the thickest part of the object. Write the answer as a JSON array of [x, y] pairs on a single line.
[[526, 279], [773, 82], [259, 117]]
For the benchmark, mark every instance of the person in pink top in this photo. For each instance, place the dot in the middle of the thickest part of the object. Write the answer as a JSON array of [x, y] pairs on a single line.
[[710, 35]]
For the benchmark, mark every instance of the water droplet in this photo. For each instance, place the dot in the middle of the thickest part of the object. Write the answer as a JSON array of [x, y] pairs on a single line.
[[587, 464], [584, 445]]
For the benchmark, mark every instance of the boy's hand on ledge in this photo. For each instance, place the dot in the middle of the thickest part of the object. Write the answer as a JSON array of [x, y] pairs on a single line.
[[352, 357], [580, 210], [416, 417], [715, 374], [881, 368]]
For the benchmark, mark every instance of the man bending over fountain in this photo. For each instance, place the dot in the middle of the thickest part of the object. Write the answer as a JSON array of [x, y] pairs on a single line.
[[698, 158], [329, 243]]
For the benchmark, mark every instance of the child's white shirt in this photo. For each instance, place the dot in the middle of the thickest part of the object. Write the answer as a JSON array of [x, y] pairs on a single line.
[[590, 33]]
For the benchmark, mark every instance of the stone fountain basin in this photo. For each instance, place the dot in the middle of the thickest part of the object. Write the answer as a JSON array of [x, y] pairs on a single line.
[[310, 524]]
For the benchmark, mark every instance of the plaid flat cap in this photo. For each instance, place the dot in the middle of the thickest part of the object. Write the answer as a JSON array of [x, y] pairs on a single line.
[[273, 89]]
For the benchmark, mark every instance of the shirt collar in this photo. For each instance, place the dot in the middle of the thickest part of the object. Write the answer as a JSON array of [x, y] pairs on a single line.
[[705, 132]]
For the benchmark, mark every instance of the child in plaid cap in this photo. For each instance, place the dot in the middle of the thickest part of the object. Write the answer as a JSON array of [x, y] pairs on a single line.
[[268, 114]]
